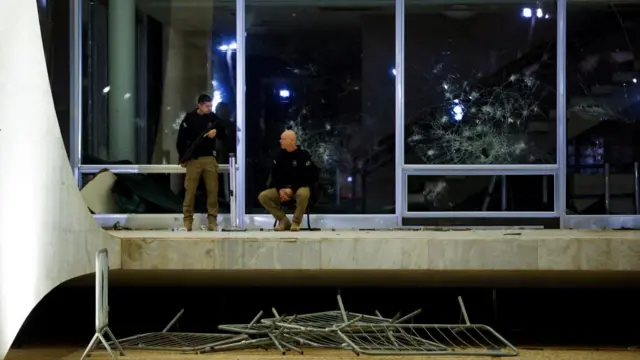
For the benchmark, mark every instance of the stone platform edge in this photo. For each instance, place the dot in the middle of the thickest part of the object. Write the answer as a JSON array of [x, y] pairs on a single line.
[[503, 250]]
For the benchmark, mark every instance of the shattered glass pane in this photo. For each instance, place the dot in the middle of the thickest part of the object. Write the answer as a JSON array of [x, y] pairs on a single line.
[[480, 84]]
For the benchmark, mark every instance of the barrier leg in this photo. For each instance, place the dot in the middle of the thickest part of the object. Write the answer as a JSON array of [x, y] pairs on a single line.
[[114, 341], [106, 346], [90, 347], [102, 309]]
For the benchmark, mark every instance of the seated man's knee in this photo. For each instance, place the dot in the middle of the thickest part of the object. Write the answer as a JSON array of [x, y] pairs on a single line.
[[303, 193], [263, 197]]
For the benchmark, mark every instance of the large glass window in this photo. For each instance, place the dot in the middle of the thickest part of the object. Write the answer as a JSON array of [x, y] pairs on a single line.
[[54, 27], [324, 70], [146, 62], [480, 83], [603, 133]]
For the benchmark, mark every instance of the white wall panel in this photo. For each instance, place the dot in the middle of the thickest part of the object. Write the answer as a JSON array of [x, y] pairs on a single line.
[[47, 235]]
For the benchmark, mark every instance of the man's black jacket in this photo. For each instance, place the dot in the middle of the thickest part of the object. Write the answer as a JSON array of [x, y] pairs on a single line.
[[192, 143], [293, 170]]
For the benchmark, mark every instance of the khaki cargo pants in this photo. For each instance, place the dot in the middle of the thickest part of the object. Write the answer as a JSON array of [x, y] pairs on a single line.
[[205, 166], [270, 199]]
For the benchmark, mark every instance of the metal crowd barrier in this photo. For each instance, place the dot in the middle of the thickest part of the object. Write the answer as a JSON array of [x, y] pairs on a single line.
[[177, 169], [337, 329], [102, 309]]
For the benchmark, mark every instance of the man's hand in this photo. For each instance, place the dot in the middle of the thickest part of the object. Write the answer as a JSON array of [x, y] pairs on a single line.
[[184, 165], [285, 194], [211, 134]]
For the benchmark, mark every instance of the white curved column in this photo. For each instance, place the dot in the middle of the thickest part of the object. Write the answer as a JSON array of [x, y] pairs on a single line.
[[47, 235]]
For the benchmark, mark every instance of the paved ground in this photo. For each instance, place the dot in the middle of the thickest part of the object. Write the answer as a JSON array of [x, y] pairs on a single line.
[[543, 354]]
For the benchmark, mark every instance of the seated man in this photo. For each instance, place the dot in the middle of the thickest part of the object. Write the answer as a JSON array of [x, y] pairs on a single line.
[[292, 174]]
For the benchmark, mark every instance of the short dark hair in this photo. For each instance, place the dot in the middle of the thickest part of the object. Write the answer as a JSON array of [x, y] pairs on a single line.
[[203, 98]]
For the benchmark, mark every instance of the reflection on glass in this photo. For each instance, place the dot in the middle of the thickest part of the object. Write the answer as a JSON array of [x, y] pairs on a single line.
[[603, 132], [324, 72], [108, 193], [480, 83], [480, 193], [146, 61], [54, 28]]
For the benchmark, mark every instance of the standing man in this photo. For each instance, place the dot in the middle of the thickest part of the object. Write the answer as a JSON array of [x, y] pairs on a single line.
[[196, 147], [292, 174]]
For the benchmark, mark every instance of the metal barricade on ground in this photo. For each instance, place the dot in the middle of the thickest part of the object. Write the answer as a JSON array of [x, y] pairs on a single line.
[[102, 309], [339, 329]]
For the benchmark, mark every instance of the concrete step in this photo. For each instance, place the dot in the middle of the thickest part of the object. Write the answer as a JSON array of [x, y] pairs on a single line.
[[577, 101], [624, 77], [603, 90]]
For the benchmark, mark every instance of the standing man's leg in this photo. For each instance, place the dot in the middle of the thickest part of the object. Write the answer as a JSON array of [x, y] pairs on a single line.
[[302, 199], [191, 181], [270, 200], [210, 173]]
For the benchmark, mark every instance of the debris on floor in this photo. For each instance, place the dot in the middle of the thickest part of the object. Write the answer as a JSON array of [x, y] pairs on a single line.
[[338, 329]]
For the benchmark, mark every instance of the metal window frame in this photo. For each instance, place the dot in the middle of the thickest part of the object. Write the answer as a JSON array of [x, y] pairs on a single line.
[[556, 170], [402, 170], [75, 88], [141, 169], [400, 184], [241, 37], [561, 112]]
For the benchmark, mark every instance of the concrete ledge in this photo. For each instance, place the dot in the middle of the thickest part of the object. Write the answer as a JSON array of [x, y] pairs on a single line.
[[486, 250]]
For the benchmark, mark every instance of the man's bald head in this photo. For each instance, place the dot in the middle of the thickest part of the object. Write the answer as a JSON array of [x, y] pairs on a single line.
[[289, 134], [288, 140]]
